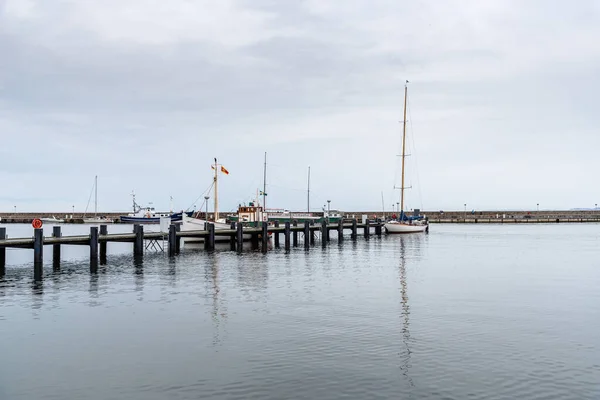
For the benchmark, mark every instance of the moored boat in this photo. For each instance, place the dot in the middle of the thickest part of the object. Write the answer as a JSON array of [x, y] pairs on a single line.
[[404, 223]]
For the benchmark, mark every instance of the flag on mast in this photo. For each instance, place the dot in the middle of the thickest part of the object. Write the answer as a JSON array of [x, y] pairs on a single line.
[[223, 170]]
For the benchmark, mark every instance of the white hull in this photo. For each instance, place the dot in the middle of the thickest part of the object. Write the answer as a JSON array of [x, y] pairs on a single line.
[[97, 221], [196, 224], [399, 227], [52, 220]]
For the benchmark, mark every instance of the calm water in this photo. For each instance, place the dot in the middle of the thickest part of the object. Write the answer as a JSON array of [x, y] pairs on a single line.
[[494, 312]]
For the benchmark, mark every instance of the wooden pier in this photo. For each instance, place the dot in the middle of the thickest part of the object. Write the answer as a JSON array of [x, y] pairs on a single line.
[[98, 238]]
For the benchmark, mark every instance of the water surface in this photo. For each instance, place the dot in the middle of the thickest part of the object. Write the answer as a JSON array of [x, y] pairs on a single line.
[[467, 311]]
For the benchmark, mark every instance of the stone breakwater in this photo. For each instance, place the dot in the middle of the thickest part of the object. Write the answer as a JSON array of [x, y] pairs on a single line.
[[490, 216]]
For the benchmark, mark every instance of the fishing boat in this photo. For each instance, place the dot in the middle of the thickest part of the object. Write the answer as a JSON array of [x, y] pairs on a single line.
[[95, 219], [148, 215], [404, 223]]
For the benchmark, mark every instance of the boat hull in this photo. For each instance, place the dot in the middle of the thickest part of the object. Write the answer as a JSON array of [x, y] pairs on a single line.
[[399, 227], [176, 217]]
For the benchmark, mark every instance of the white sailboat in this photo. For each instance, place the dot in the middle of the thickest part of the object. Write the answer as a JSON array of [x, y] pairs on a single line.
[[405, 224], [95, 219]]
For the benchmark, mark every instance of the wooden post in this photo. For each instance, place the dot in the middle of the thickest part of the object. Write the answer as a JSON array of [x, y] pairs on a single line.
[[254, 238], [340, 229], [172, 240], [286, 235], [56, 249], [138, 245], [378, 229], [209, 240], [276, 234], [295, 235], [354, 234], [38, 253], [177, 239], [93, 249], [312, 234], [232, 238], [306, 235], [265, 237], [324, 232], [240, 237], [367, 229], [2, 252], [103, 244]]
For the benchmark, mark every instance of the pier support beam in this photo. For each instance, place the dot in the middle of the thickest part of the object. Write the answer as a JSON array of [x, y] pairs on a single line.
[[2, 253], [38, 253], [103, 244], [240, 237], [367, 229], [93, 249], [354, 234], [340, 229], [324, 232], [378, 229], [306, 235], [177, 239], [209, 240], [172, 240], [265, 237], [276, 235], [138, 245], [295, 235], [254, 238], [286, 235], [312, 234], [232, 238], [56, 249]]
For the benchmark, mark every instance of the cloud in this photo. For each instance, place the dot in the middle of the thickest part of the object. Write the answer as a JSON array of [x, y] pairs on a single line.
[[146, 93]]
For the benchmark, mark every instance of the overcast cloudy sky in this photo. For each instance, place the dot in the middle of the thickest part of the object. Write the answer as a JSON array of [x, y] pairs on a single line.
[[144, 93]]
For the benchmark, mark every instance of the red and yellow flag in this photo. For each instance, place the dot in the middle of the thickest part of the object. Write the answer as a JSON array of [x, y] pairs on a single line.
[[224, 170]]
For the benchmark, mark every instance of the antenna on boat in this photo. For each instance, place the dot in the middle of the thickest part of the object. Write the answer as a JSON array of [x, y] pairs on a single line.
[[308, 192], [216, 180], [264, 193]]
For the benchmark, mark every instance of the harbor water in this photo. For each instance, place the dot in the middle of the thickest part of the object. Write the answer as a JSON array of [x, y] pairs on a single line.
[[464, 312]]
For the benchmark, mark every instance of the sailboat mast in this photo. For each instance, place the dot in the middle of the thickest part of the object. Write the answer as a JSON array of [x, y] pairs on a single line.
[[308, 193], [96, 196], [403, 151], [216, 191], [264, 193]]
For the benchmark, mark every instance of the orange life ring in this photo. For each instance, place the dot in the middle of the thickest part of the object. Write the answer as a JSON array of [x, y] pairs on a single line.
[[36, 223]]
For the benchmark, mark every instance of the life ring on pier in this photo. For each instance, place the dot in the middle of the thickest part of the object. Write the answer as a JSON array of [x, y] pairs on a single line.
[[36, 223]]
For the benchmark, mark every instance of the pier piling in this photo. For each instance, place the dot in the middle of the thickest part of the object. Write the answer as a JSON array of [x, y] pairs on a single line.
[[56, 249], [340, 229], [306, 235], [2, 253], [286, 235], [378, 229], [38, 253], [103, 245], [295, 235], [138, 245], [354, 234], [265, 237], [312, 234], [232, 237], [172, 240], [324, 232], [209, 241], [177, 239], [276, 235], [367, 229], [240, 237], [94, 249]]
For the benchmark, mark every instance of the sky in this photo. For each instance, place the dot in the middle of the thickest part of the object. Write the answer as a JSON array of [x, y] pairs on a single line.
[[145, 93]]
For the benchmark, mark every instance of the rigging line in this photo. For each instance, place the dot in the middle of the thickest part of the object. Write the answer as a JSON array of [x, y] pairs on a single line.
[[414, 146], [203, 193], [89, 199]]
